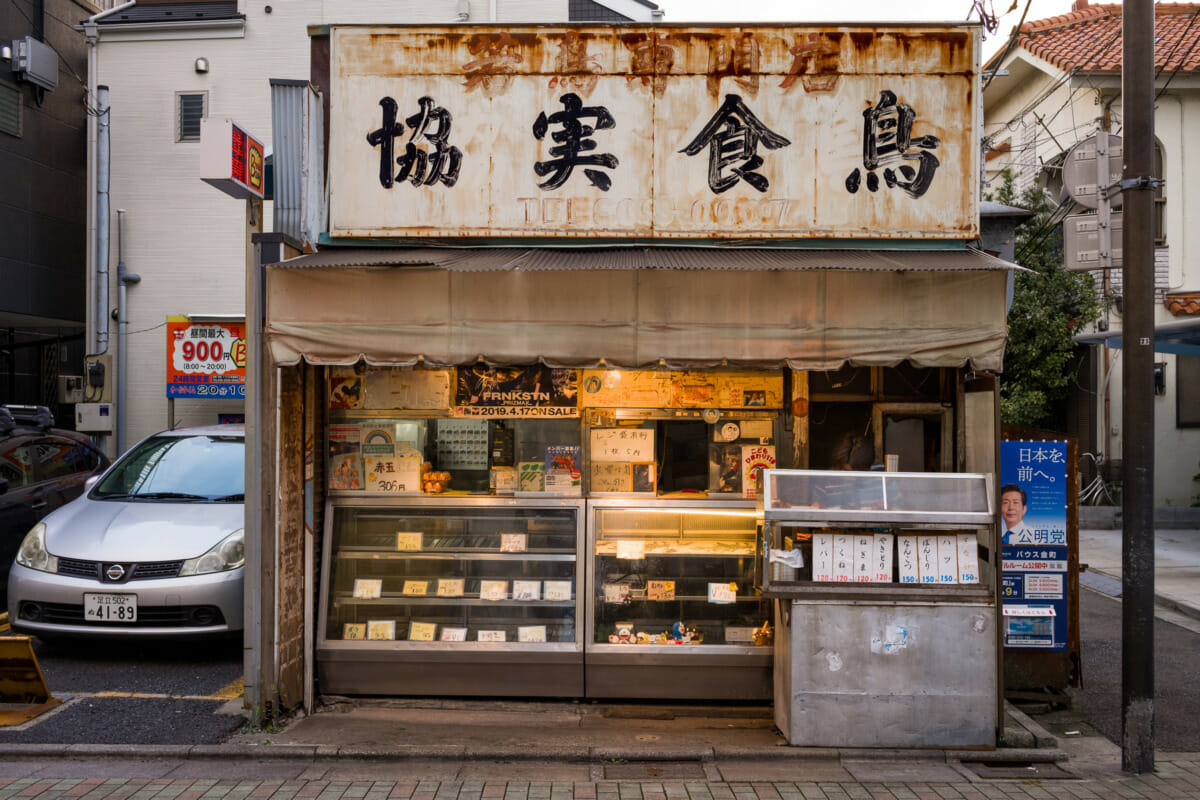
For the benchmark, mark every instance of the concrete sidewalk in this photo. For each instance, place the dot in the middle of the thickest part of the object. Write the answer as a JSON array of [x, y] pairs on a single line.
[[1176, 566]]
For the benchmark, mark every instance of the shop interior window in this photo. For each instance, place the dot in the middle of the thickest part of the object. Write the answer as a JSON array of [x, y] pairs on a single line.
[[683, 449], [841, 436], [916, 439]]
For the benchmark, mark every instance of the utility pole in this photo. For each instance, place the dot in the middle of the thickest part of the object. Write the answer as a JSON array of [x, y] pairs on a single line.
[[1137, 562]]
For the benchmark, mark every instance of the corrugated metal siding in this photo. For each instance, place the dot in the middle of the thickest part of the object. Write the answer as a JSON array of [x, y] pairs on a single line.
[[635, 258], [287, 130], [297, 121]]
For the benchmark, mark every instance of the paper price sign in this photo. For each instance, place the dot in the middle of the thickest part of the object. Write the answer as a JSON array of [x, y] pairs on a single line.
[[367, 588], [450, 587], [527, 590], [408, 542], [491, 636], [660, 590], [722, 593], [557, 590], [422, 631], [381, 629], [622, 444], [531, 633], [454, 634], [416, 588], [513, 542], [493, 590]]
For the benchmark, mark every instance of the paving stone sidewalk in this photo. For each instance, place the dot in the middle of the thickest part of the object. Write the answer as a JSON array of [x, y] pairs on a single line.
[[1177, 777]]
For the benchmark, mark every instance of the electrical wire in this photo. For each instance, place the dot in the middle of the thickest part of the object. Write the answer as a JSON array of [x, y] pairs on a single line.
[[1186, 55], [82, 81]]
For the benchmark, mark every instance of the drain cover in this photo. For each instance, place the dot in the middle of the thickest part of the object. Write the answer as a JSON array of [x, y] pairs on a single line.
[[653, 770], [1016, 769]]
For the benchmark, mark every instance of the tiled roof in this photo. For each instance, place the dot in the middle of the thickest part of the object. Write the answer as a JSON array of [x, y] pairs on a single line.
[[1180, 303], [174, 12], [1089, 39]]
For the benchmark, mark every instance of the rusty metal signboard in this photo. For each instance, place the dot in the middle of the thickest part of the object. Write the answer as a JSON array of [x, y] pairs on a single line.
[[663, 131]]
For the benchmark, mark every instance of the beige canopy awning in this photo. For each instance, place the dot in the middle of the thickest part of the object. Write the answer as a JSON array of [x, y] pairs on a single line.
[[638, 307]]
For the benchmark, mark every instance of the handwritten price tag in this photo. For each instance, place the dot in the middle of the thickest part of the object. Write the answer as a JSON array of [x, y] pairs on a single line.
[[408, 542], [660, 590]]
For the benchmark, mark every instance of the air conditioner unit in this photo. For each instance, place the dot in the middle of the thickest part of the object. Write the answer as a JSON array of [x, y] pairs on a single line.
[[36, 62]]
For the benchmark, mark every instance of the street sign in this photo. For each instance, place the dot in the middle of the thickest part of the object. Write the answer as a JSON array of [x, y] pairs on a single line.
[[1081, 170], [206, 359], [1082, 243]]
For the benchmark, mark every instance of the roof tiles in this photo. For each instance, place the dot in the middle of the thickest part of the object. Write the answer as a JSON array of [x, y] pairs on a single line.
[[1089, 39]]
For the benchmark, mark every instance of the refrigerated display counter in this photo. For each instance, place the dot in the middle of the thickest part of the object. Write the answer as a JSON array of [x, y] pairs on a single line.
[[452, 596], [673, 608]]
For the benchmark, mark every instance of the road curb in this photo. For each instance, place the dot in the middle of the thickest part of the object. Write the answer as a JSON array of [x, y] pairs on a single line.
[[595, 755], [1166, 601]]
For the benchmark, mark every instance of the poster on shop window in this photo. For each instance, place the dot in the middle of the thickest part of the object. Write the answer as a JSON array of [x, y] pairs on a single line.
[[1033, 528], [537, 391]]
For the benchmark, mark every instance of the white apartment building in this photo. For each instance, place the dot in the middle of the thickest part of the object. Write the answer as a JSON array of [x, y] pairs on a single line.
[[1059, 84], [168, 63]]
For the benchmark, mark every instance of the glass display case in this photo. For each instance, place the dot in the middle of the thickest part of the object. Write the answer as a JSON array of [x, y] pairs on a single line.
[[876, 531], [470, 596], [674, 612], [886, 598]]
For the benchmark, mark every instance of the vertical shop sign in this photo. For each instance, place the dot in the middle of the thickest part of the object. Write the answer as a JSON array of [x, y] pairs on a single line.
[[205, 359], [1033, 510], [231, 159]]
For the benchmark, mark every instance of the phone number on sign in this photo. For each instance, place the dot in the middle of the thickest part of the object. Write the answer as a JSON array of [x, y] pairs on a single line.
[[202, 390]]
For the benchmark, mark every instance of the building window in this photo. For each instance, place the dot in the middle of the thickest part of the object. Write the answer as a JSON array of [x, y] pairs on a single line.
[[1187, 391], [10, 109], [190, 108]]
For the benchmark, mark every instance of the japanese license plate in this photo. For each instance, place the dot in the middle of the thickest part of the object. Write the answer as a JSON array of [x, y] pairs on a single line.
[[110, 607]]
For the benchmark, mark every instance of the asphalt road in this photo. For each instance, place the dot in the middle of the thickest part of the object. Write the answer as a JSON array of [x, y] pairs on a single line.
[[136, 693], [1098, 702]]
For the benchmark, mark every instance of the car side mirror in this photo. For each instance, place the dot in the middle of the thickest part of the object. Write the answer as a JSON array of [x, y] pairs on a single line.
[[90, 482]]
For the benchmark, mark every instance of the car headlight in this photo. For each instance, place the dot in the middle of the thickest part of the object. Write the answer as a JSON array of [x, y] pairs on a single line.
[[229, 554], [33, 551]]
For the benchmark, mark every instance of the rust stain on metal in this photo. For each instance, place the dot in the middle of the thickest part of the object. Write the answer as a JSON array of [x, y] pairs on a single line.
[[652, 58], [577, 71], [817, 60], [498, 57], [731, 54]]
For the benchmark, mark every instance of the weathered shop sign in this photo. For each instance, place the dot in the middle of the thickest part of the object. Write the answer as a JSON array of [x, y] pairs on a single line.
[[850, 132], [680, 389]]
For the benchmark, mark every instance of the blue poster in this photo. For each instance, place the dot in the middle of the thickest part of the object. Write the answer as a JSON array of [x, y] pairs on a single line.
[[1033, 513]]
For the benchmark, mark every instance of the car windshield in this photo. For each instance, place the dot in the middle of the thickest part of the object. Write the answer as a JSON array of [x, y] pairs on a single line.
[[179, 469]]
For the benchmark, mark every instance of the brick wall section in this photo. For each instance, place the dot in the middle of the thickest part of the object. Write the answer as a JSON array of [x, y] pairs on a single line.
[[291, 538]]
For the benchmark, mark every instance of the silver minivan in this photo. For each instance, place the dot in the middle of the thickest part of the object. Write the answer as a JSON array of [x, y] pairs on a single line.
[[154, 548]]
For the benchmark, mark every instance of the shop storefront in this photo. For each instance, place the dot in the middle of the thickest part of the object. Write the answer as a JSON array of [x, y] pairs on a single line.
[[535, 470]]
